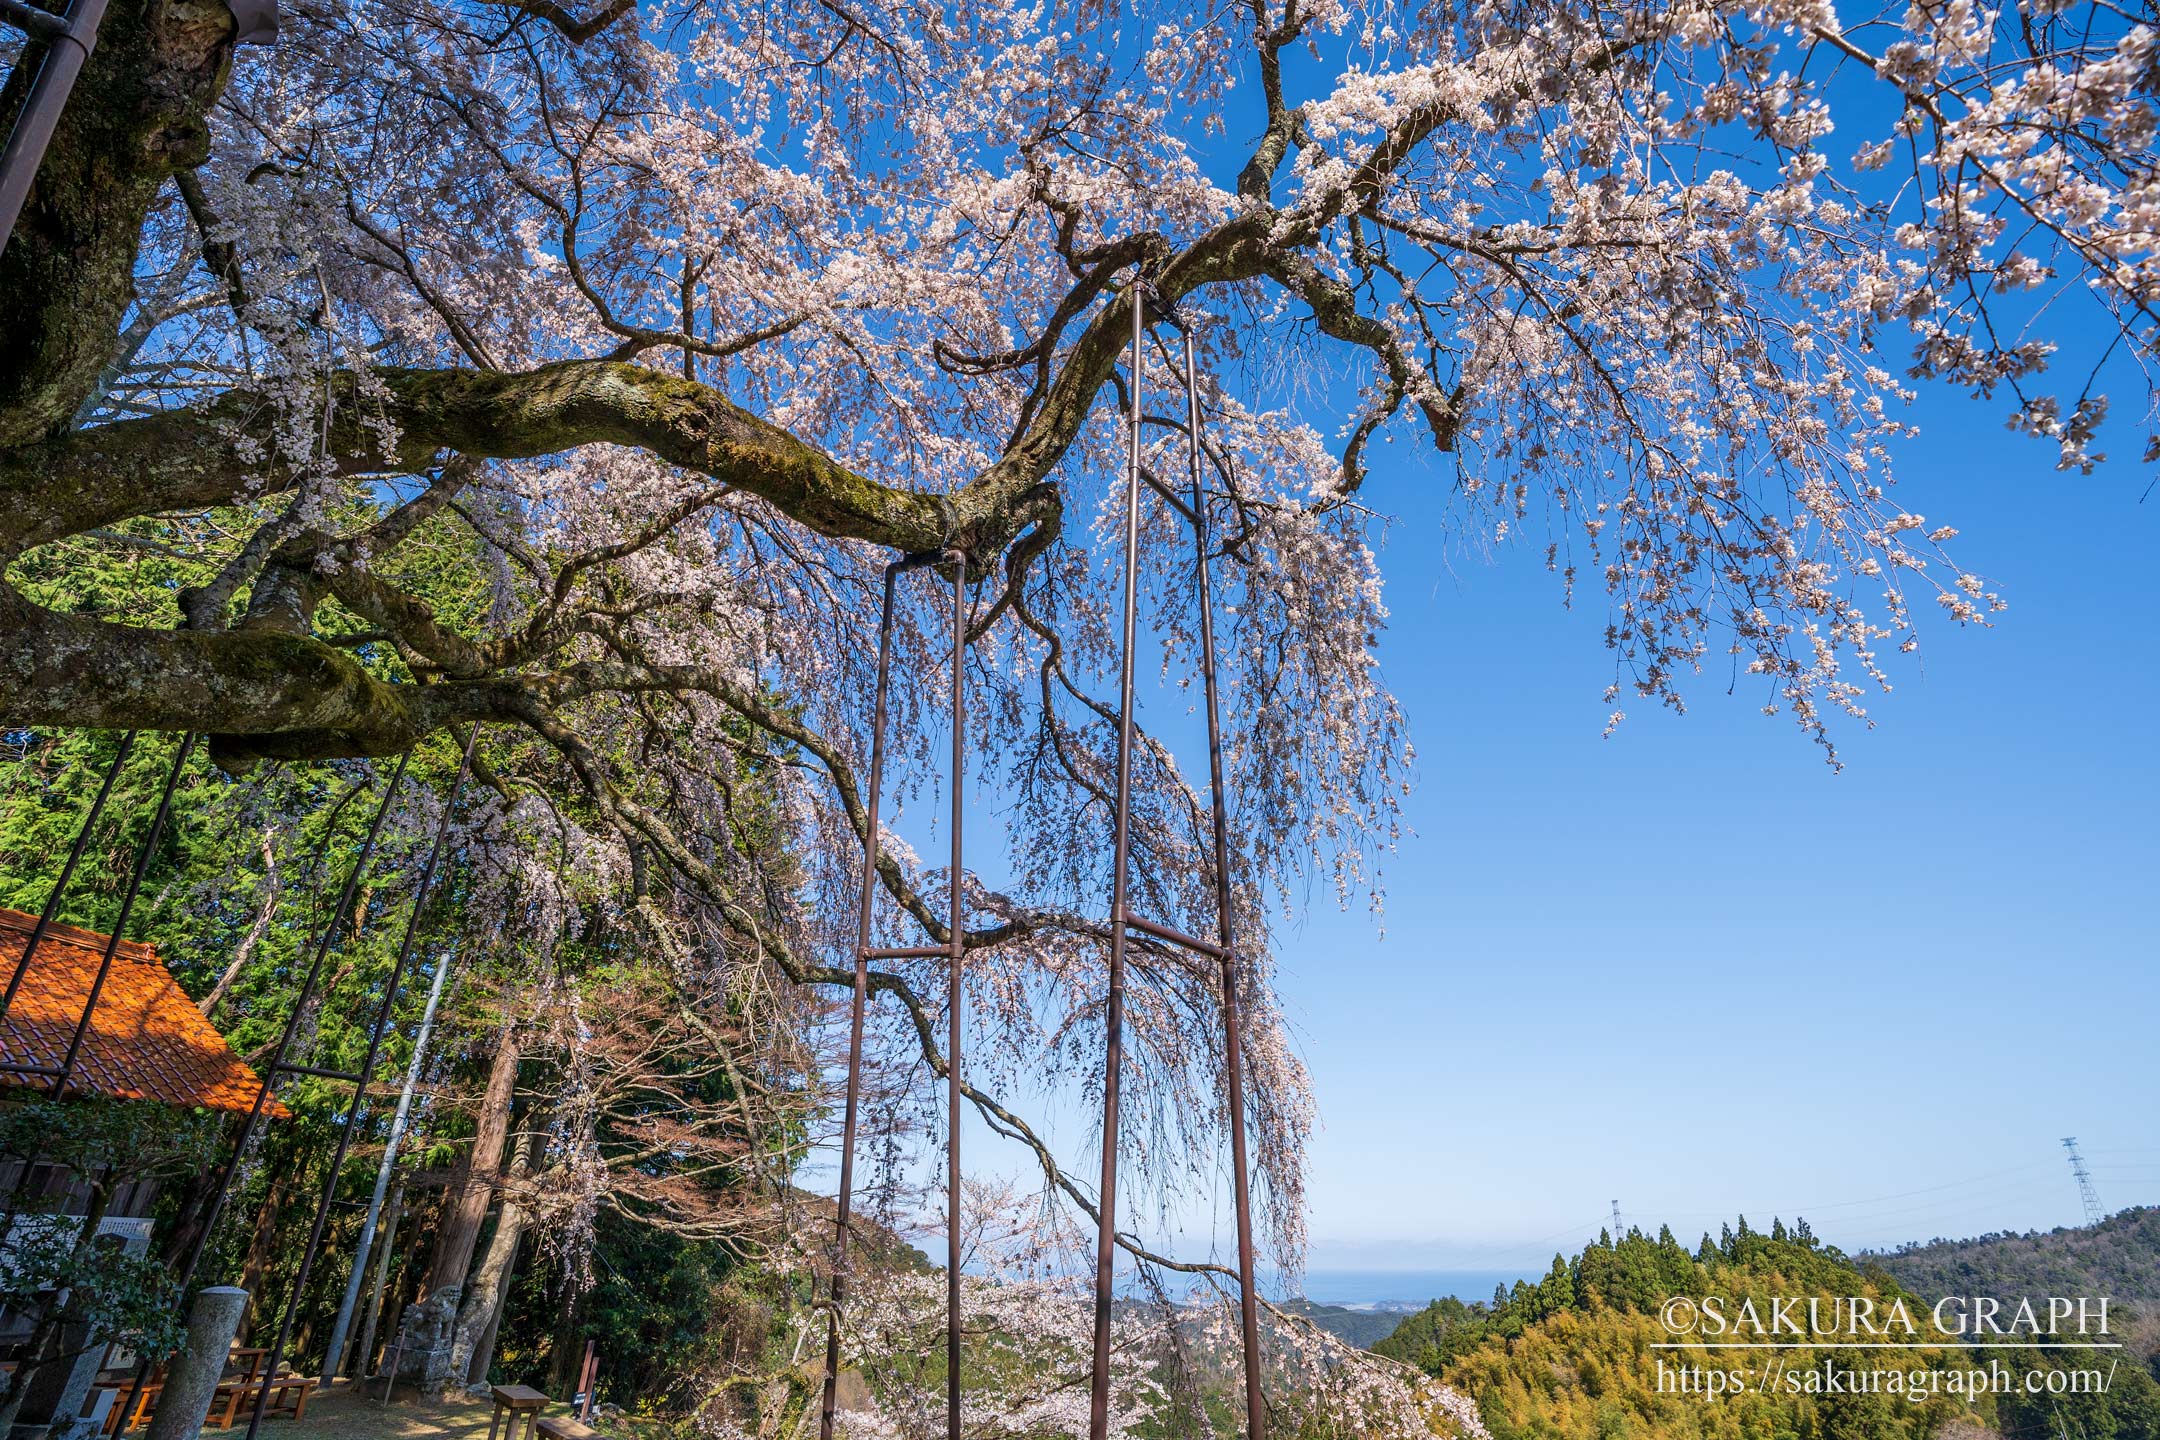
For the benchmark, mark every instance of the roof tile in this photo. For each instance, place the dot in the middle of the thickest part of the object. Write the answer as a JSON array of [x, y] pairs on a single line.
[[148, 1041]]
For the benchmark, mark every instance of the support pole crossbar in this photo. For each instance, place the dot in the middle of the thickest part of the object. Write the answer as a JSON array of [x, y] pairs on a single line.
[[954, 951], [376, 1034], [1194, 511], [317, 1071], [1174, 936], [221, 1190]]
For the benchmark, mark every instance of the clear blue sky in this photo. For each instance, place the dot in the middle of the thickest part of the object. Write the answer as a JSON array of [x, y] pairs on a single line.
[[1692, 968]]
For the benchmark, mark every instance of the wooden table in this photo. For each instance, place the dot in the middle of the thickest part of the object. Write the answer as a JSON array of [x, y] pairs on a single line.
[[524, 1405]]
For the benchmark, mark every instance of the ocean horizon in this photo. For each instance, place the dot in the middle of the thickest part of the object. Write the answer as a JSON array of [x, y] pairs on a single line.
[[1405, 1289]]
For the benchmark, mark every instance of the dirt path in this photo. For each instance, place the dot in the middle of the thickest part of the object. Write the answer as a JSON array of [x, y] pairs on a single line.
[[345, 1414]]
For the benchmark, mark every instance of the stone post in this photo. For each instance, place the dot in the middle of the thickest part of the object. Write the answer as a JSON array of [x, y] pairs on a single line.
[[191, 1379]]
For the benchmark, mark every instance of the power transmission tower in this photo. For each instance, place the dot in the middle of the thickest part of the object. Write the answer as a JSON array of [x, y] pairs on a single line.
[[1617, 1232], [2088, 1196]]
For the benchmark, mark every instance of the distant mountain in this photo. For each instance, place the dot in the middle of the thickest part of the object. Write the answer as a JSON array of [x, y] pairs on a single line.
[[1587, 1354], [2119, 1257], [1362, 1328]]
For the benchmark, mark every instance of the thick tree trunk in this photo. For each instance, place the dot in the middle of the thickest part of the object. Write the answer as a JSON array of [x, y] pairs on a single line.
[[566, 1354], [480, 1313], [483, 1356], [466, 1208], [363, 1363]]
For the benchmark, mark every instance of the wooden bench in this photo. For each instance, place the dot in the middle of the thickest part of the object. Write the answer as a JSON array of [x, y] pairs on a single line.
[[562, 1427], [523, 1403], [145, 1404], [288, 1397]]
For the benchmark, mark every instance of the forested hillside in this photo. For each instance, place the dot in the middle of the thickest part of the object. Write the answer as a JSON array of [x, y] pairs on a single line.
[[1572, 1357], [2119, 1257], [1362, 1328]]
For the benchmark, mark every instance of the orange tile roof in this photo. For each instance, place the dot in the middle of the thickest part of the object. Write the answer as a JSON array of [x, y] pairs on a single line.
[[147, 1041]]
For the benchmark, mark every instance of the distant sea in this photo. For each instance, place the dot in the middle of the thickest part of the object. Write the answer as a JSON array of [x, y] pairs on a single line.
[[1403, 1289]]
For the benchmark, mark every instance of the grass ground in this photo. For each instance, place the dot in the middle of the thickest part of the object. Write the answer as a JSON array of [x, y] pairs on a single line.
[[345, 1414]]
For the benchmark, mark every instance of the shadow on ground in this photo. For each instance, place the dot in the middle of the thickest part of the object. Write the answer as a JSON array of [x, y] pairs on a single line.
[[345, 1414]]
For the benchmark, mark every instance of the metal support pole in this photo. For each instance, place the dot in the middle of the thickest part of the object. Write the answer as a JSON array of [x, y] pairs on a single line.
[[341, 1328], [58, 892], [1114, 1010], [222, 1191], [143, 857], [953, 951], [68, 46], [958, 940], [1225, 937], [855, 1013], [291, 1308]]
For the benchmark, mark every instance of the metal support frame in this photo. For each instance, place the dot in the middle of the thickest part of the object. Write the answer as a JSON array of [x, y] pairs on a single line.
[[221, 1190], [58, 892], [68, 41], [63, 1074], [290, 1310], [954, 951], [1123, 921]]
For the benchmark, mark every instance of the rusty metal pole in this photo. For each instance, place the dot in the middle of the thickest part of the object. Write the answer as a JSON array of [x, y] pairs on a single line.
[[1233, 1040], [1114, 1010], [376, 1033], [856, 1005], [53, 897], [958, 940]]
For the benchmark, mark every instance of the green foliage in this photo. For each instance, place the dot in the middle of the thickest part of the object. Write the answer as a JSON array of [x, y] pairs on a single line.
[[240, 894], [115, 1295], [1440, 1332], [122, 1139], [2118, 1257], [1577, 1355]]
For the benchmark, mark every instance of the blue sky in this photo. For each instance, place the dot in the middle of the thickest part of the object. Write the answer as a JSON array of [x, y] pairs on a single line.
[[1692, 968]]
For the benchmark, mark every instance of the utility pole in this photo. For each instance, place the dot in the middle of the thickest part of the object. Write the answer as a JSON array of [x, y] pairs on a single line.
[[2087, 1196]]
